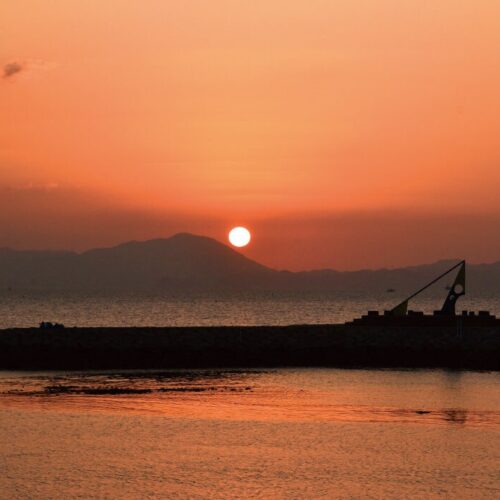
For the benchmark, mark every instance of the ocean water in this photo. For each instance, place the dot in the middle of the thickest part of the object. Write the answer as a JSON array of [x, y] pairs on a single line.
[[287, 433], [29, 309]]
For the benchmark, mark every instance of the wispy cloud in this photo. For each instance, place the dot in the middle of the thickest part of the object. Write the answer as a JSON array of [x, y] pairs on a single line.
[[12, 68]]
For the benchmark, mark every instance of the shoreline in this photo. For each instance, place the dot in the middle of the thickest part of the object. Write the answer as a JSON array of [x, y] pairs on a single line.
[[337, 345]]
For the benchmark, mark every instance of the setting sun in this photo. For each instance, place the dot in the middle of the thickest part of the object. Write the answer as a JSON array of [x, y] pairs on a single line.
[[239, 236]]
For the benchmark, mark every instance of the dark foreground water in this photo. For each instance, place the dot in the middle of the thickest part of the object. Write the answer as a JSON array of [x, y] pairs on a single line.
[[310, 433]]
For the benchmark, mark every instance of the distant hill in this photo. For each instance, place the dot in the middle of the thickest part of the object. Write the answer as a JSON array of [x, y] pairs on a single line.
[[186, 263]]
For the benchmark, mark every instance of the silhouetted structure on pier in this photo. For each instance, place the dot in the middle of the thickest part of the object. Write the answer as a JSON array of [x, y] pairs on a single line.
[[400, 315]]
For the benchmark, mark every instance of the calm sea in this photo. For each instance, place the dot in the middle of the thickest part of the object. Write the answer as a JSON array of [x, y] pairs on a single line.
[[309, 433], [25, 310], [286, 433]]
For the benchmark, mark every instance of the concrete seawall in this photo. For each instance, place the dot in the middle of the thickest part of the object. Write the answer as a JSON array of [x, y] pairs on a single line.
[[267, 346]]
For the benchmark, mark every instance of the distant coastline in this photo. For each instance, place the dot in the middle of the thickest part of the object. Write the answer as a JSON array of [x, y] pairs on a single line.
[[187, 263]]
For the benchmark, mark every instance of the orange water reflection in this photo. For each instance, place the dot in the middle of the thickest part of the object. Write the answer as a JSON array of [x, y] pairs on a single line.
[[265, 396]]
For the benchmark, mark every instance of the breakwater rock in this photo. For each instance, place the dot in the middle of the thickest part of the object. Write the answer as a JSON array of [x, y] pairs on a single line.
[[346, 345]]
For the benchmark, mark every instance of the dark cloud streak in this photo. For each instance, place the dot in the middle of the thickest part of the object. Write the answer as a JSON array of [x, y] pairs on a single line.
[[12, 68]]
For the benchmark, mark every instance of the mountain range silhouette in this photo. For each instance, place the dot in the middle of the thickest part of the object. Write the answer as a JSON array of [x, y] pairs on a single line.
[[186, 263]]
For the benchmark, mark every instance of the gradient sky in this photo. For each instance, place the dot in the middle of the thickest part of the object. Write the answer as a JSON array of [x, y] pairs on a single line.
[[345, 134]]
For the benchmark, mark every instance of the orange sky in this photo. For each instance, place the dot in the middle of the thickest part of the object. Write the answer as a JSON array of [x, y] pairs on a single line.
[[334, 129]]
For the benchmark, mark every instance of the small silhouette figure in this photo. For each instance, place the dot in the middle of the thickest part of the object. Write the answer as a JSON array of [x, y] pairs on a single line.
[[48, 325]]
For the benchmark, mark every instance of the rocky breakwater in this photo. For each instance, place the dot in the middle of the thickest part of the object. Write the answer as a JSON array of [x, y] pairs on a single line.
[[346, 345]]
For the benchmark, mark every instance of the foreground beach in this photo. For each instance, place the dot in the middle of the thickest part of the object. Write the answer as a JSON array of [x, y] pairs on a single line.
[[343, 345]]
